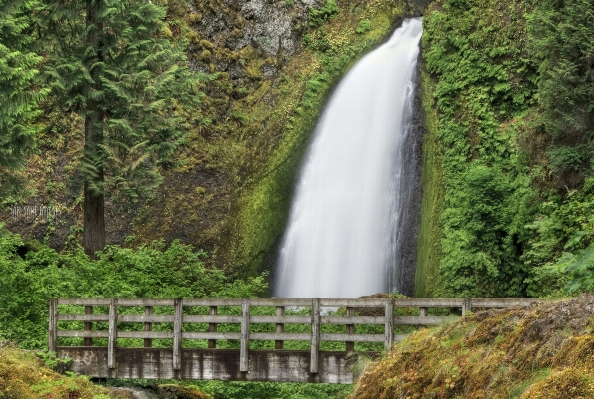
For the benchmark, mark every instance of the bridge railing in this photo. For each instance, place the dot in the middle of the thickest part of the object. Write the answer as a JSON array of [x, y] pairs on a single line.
[[316, 318]]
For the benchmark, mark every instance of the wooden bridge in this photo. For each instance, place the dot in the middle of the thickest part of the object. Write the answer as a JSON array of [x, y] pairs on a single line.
[[142, 338]]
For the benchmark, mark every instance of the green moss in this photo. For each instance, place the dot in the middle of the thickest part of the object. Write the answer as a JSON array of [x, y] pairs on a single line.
[[205, 56], [25, 376], [427, 279], [505, 354]]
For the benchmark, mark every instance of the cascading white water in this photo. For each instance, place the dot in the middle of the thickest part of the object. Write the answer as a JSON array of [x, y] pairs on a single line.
[[341, 239]]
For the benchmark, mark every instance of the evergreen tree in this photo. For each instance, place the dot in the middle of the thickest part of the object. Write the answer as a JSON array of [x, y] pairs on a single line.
[[562, 41], [19, 96], [113, 62]]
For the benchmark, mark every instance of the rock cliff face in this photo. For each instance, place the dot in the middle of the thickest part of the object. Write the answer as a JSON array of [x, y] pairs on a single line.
[[272, 64], [264, 25]]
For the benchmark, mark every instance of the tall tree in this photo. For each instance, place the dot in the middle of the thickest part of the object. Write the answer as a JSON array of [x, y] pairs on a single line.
[[19, 95], [114, 62], [562, 41]]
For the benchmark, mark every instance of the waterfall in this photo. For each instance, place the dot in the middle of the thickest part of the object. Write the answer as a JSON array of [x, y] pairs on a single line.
[[345, 233]]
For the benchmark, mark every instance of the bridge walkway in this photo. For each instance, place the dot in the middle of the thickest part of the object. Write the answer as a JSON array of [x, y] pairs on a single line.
[[247, 339]]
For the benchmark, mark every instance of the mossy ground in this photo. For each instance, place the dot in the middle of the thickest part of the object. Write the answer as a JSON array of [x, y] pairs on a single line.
[[546, 351], [23, 375]]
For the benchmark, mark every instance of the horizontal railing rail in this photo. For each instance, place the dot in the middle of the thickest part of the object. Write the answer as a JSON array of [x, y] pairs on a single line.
[[315, 319]]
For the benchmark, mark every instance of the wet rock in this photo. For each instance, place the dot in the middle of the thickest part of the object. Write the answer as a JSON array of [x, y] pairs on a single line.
[[168, 391], [136, 393]]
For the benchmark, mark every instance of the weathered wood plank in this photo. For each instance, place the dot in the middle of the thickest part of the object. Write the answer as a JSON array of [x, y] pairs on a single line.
[[352, 319], [299, 302], [146, 301], [112, 334], [177, 333], [83, 317], [350, 326], [245, 335], [212, 301], [280, 336], [466, 306], [126, 334], [423, 312], [212, 327], [88, 326], [428, 302], [304, 302], [146, 334], [352, 337], [354, 302], [315, 336], [389, 326], [53, 325], [83, 333], [144, 318], [84, 301], [211, 335], [218, 319], [208, 364], [148, 326], [422, 320], [281, 319], [280, 327], [502, 302]]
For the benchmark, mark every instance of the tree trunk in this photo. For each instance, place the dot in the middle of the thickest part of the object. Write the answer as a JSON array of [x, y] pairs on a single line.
[[94, 215], [94, 225]]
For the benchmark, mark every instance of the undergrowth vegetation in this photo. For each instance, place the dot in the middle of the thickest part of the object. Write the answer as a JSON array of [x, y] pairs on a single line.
[[546, 351], [24, 375], [32, 277], [508, 148], [255, 390]]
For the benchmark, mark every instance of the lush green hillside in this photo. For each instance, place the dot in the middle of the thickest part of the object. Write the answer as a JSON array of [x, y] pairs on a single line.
[[507, 89]]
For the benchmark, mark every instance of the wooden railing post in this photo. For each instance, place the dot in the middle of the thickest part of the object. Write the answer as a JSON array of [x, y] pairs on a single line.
[[53, 325], [245, 335], [212, 327], [112, 334], [88, 326], [148, 326], [280, 327], [315, 336], [389, 325], [466, 306], [177, 333], [423, 312], [350, 329]]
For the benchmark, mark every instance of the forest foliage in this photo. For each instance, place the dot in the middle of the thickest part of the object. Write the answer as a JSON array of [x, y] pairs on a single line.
[[513, 92], [19, 95], [31, 276]]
